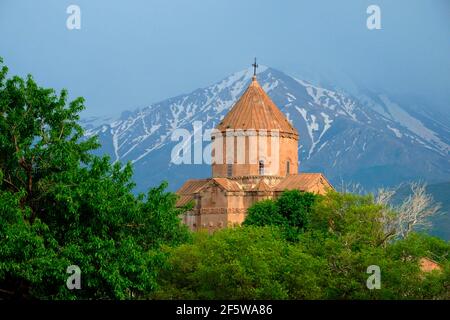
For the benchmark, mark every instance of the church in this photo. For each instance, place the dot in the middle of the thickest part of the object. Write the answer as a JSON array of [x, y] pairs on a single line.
[[255, 157]]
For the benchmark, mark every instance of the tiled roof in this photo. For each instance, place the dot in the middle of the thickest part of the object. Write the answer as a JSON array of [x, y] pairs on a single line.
[[302, 181], [428, 265], [184, 200], [255, 110], [261, 186], [189, 189], [192, 186], [228, 184]]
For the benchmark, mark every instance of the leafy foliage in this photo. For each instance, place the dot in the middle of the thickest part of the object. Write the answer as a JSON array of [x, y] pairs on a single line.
[[355, 219], [62, 206], [265, 213], [291, 211], [329, 259], [241, 263], [296, 206]]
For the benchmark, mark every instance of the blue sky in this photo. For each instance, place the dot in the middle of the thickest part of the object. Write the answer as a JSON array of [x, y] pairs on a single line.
[[131, 53]]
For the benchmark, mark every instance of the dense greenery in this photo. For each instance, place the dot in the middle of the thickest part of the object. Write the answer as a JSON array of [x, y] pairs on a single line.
[[241, 263], [328, 259], [291, 212], [60, 206]]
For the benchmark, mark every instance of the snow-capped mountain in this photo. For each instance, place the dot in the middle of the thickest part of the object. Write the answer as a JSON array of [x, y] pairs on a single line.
[[365, 138]]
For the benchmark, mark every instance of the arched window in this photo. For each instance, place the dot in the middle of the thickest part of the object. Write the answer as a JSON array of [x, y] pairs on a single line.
[[288, 167], [229, 170], [261, 167]]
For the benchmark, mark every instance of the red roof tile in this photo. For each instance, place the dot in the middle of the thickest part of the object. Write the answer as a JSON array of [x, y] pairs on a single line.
[[301, 181], [184, 200], [256, 111], [192, 186], [262, 186], [228, 185]]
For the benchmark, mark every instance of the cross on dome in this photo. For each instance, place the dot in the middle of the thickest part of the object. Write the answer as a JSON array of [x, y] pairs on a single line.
[[255, 66]]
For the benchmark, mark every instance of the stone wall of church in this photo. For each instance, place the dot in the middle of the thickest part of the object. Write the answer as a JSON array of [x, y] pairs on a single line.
[[216, 208], [246, 150]]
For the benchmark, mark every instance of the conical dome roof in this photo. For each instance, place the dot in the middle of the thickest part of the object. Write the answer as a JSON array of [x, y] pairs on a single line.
[[256, 111]]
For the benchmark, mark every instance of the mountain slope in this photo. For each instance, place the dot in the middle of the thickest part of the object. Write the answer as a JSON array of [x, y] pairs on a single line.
[[365, 138]]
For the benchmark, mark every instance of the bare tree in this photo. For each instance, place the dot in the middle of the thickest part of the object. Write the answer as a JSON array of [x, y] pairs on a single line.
[[351, 187], [414, 212], [384, 197]]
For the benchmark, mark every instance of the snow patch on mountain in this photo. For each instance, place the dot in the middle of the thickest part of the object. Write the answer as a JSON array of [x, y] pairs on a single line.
[[396, 131], [402, 117]]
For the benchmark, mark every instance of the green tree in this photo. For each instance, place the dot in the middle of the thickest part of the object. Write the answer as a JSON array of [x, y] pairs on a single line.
[[259, 263], [61, 206], [264, 213], [348, 231], [296, 206], [291, 212], [355, 219], [240, 263]]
